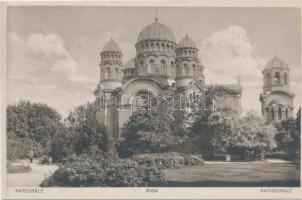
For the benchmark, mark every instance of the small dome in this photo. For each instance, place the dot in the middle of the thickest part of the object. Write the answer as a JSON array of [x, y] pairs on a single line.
[[186, 42], [111, 46], [156, 31], [276, 63], [130, 64]]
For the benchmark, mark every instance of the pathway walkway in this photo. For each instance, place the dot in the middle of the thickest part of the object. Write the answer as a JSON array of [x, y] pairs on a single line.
[[30, 179]]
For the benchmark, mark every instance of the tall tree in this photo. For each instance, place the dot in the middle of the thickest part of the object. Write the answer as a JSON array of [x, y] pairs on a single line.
[[87, 131]]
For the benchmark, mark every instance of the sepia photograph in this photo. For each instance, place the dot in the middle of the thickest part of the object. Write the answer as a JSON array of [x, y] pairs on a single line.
[[152, 97]]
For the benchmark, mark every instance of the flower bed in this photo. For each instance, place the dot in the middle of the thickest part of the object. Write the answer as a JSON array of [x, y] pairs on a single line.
[[168, 160]]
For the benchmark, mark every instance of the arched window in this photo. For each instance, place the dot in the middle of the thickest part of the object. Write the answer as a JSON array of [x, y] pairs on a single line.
[[172, 69], [194, 69], [273, 113], [163, 46], [162, 66], [186, 69], [151, 62], [116, 73], [286, 113], [108, 74], [285, 78], [279, 113], [277, 77], [157, 46], [152, 45]]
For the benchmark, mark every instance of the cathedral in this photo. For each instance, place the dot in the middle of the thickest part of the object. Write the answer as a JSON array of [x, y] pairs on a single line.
[[276, 98], [160, 66]]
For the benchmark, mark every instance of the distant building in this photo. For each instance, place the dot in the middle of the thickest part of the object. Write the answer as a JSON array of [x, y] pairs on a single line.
[[160, 67], [276, 98]]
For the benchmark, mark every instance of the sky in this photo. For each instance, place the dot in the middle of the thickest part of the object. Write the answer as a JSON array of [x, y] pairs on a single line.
[[53, 52]]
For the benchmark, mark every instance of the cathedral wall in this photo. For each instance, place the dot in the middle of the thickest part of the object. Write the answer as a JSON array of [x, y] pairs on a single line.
[[100, 116]]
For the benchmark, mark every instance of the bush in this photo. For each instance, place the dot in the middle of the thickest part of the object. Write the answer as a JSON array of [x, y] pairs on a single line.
[[82, 171], [18, 148], [168, 160]]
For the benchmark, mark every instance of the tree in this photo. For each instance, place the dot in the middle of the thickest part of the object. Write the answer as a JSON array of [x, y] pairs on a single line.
[[206, 126], [255, 135], [33, 120], [288, 136], [86, 130], [148, 131], [35, 123]]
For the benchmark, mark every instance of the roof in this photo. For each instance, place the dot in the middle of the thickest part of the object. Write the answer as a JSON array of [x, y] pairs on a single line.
[[276, 63], [111, 46], [156, 31], [232, 87], [186, 42]]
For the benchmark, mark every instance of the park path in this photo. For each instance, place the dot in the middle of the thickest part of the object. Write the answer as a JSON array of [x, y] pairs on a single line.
[[32, 178]]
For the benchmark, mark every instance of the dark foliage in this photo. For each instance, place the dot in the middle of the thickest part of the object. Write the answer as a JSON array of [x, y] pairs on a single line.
[[32, 126], [168, 160], [82, 171], [288, 136], [87, 133], [148, 131]]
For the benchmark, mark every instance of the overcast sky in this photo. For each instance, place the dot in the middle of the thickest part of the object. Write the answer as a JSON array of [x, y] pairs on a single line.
[[53, 52]]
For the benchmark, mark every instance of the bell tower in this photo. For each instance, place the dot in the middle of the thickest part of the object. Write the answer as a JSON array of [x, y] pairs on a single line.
[[108, 92], [276, 98]]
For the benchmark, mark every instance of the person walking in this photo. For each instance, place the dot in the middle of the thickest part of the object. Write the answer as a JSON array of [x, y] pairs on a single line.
[[31, 156]]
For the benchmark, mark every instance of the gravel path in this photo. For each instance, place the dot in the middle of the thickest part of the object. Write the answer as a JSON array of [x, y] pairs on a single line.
[[30, 179]]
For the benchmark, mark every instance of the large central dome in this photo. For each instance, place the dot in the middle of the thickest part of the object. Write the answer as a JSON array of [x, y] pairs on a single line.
[[156, 31]]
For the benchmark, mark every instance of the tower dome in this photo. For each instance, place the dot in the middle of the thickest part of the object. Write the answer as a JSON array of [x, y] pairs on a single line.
[[111, 65], [188, 66], [111, 46], [156, 31], [186, 42], [276, 63], [155, 52]]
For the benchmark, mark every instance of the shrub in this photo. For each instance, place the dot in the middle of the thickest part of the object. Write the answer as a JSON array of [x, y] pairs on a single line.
[[18, 148], [82, 171], [168, 160]]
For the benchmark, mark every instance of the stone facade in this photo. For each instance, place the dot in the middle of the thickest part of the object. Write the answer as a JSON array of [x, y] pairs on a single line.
[[161, 66], [276, 98]]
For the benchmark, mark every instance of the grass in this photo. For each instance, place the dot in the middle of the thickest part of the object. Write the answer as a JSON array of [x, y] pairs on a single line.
[[251, 174]]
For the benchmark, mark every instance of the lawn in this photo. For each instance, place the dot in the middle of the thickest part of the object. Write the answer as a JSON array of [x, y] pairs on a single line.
[[241, 174]]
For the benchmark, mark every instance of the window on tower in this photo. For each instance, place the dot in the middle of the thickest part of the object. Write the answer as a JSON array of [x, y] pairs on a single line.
[[116, 73], [279, 113], [186, 69], [273, 114], [277, 77], [107, 74]]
